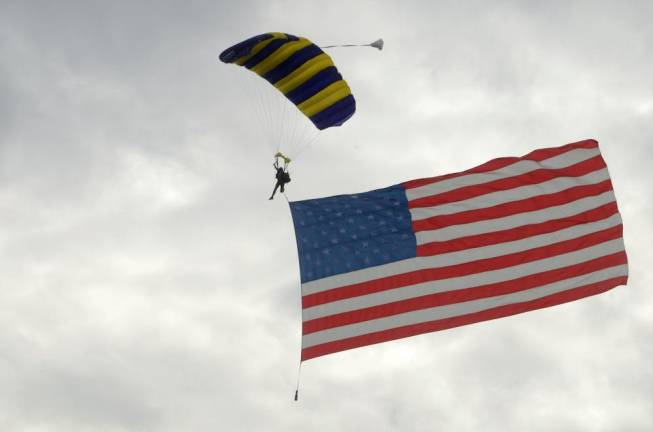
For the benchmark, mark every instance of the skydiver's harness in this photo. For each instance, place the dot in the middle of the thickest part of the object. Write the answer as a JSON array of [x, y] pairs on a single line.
[[284, 177]]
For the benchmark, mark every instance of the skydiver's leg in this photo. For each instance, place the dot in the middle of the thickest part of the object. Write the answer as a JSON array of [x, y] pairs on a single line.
[[282, 185], [275, 190]]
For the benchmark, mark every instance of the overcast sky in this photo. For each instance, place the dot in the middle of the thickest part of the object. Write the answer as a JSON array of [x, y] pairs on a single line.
[[147, 284]]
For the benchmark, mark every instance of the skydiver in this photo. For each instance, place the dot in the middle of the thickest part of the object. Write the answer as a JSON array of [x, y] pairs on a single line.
[[282, 174]]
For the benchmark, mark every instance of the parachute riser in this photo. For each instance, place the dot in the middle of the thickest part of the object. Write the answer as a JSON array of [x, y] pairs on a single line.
[[286, 160]]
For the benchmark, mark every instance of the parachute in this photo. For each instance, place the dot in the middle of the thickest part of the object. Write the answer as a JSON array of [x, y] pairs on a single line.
[[301, 71]]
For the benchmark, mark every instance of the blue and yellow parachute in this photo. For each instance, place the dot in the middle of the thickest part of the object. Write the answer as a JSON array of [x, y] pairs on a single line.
[[300, 70]]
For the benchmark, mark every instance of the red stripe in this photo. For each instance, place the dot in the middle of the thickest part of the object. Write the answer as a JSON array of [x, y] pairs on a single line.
[[533, 177], [514, 207], [518, 233], [495, 164], [482, 265], [489, 314], [463, 295]]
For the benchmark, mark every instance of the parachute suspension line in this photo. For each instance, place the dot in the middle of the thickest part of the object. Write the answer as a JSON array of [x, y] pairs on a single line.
[[311, 138], [256, 105], [292, 138], [285, 134], [311, 135], [267, 105], [303, 138], [264, 116], [298, 119], [282, 126], [272, 118], [279, 121], [295, 137], [259, 107], [293, 128], [305, 130], [269, 109], [378, 44]]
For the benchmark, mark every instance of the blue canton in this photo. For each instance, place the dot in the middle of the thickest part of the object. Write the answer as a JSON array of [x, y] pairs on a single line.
[[344, 233]]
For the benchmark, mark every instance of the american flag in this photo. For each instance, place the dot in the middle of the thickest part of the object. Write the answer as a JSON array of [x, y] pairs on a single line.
[[509, 236]]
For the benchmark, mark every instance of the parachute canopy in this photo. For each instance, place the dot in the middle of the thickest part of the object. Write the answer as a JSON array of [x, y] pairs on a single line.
[[301, 71]]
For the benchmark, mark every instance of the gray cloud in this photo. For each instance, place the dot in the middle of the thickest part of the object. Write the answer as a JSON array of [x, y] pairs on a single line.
[[146, 283]]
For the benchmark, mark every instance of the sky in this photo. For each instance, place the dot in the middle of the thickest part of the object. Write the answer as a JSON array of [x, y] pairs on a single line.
[[147, 283]]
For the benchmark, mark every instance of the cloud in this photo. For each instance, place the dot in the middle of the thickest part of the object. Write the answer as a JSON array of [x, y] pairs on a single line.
[[147, 283]]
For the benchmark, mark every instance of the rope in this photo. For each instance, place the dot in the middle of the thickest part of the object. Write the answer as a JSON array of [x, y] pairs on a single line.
[[299, 371], [344, 46], [378, 44], [299, 367]]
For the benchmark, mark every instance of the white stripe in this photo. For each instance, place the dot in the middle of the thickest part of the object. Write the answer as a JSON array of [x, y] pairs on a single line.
[[520, 167], [463, 282], [505, 196], [448, 311], [516, 220], [458, 257]]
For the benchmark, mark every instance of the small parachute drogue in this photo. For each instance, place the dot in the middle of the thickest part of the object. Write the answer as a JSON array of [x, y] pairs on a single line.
[[301, 71]]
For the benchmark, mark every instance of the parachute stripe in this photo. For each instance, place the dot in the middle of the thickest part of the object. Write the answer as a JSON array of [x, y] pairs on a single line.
[[301, 71], [293, 62], [265, 48], [243, 51], [304, 73], [257, 48], [314, 84], [336, 114], [264, 53], [324, 98], [279, 56]]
